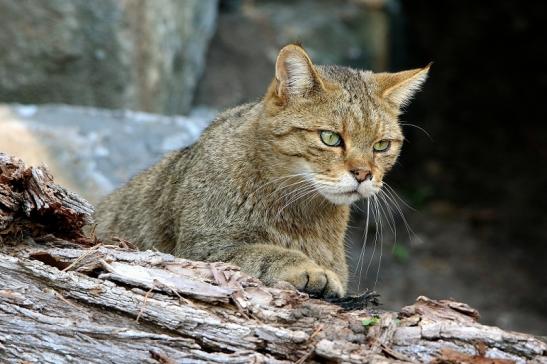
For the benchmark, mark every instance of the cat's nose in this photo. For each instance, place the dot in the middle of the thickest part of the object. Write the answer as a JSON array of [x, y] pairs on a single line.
[[361, 174]]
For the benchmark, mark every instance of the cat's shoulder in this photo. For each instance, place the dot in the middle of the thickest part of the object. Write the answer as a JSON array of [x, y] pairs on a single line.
[[236, 114]]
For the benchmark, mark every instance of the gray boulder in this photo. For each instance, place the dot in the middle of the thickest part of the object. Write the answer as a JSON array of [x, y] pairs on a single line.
[[140, 55], [91, 151]]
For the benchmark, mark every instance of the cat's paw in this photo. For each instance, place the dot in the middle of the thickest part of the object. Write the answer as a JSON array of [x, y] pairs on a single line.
[[316, 281]]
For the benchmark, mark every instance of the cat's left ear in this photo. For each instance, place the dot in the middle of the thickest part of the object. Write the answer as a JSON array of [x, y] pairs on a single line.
[[295, 74], [398, 88]]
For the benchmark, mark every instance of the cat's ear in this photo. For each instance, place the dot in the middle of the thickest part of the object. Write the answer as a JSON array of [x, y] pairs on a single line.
[[295, 74], [398, 88]]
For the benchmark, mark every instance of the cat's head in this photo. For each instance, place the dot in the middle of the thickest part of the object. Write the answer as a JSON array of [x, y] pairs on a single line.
[[335, 126]]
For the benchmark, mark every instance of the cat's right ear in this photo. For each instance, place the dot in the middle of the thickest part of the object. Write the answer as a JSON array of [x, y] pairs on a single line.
[[398, 88], [295, 75]]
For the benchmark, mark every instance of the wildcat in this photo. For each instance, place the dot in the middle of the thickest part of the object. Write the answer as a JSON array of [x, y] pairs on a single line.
[[268, 186]]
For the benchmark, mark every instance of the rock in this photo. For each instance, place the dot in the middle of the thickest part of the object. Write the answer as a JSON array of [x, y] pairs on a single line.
[[240, 61], [140, 55], [91, 151]]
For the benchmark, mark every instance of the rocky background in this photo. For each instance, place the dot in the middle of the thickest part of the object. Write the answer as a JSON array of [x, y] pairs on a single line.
[[140, 55], [100, 90]]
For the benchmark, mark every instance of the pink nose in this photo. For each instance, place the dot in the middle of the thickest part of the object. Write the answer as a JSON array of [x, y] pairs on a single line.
[[361, 174]]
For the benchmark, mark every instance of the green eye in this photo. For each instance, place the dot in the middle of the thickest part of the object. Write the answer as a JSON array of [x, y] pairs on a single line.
[[330, 138], [381, 146]]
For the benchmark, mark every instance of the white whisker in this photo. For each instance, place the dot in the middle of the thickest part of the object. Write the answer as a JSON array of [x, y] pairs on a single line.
[[364, 247], [417, 127], [377, 233], [301, 193], [391, 190], [409, 230]]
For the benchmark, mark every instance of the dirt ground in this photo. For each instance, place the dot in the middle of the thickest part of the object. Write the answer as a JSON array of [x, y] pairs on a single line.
[[446, 256]]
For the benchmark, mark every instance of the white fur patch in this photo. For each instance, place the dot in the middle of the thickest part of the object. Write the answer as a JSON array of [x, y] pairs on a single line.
[[345, 191], [367, 188]]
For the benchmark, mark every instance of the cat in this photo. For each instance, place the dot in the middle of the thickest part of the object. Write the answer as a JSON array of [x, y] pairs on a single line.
[[268, 186]]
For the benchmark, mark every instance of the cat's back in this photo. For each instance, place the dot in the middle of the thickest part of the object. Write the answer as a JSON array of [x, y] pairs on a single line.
[[139, 210], [227, 126], [177, 187]]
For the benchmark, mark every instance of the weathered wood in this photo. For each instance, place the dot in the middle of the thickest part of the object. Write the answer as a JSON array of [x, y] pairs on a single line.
[[89, 312], [31, 203], [63, 303]]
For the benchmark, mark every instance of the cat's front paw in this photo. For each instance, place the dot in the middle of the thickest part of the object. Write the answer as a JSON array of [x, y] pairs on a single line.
[[316, 281]]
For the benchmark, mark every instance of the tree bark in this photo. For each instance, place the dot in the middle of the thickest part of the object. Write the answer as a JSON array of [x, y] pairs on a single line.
[[64, 302], [32, 204]]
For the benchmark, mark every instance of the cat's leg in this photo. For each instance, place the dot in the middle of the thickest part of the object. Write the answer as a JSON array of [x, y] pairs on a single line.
[[271, 263]]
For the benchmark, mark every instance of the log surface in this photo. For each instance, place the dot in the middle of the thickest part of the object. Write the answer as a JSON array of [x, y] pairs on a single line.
[[107, 304]]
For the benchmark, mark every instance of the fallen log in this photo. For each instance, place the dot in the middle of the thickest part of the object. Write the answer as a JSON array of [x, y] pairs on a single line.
[[61, 301]]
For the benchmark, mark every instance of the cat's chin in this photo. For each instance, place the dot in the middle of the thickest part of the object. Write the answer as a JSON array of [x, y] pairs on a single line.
[[345, 198]]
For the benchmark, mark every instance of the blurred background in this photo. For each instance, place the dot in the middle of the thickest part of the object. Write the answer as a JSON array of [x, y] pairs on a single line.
[[99, 90]]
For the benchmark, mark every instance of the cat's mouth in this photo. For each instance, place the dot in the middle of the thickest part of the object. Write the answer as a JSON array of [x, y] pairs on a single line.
[[346, 190], [364, 190]]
